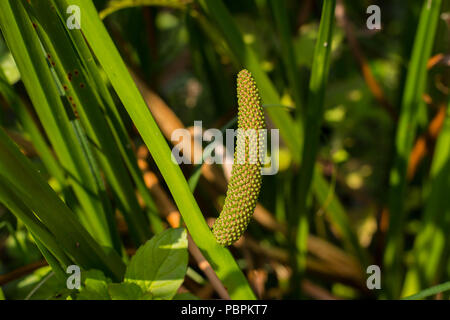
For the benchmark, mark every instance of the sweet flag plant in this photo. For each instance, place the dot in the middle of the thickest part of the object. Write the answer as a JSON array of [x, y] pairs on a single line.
[[245, 182]]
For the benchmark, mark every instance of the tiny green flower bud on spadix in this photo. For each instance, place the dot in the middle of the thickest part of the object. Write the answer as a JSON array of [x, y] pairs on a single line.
[[245, 181]]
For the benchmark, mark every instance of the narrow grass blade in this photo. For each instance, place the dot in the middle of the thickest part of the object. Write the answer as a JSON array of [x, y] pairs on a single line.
[[287, 52], [430, 291], [13, 234], [41, 87], [248, 59], [58, 268], [114, 121], [22, 184], [313, 121], [432, 242], [36, 228], [411, 101], [116, 5], [31, 129], [80, 91]]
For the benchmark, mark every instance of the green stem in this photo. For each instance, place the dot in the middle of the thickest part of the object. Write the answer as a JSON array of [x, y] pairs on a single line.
[[313, 121]]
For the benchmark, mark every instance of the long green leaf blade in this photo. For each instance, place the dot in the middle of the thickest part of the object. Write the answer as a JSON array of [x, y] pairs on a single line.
[[103, 47], [26, 48], [313, 121], [26, 183], [413, 91]]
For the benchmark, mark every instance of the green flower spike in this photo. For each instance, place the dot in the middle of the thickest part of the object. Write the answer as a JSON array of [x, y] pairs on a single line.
[[245, 182]]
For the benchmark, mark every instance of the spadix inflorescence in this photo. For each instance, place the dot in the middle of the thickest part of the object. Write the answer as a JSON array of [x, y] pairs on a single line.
[[245, 181]]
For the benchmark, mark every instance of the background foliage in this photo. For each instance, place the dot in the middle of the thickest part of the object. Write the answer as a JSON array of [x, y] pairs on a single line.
[[86, 175]]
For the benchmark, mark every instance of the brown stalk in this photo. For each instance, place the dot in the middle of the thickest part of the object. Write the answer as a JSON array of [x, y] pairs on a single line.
[[435, 60], [22, 271], [316, 291], [424, 142], [309, 288], [258, 279], [317, 263], [25, 145]]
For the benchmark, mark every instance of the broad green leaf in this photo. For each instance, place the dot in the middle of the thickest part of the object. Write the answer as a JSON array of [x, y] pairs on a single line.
[[159, 266], [125, 291], [95, 286]]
